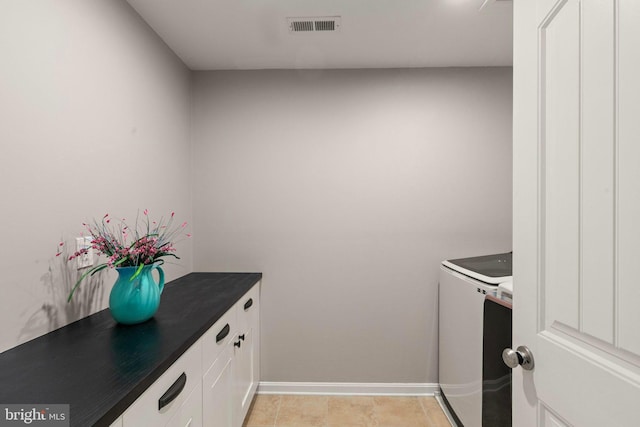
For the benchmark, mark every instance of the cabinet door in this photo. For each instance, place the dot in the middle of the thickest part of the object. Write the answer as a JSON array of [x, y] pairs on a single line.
[[190, 413], [218, 390], [244, 373], [247, 356]]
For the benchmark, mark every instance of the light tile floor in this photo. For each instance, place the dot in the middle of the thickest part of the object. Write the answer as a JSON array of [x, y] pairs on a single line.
[[270, 410]]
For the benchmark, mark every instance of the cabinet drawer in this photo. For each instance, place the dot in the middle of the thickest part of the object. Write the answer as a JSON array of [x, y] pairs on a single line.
[[217, 338], [190, 413], [248, 309], [145, 410]]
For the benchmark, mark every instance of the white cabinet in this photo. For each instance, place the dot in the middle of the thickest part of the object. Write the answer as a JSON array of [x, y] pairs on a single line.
[[247, 354], [164, 399], [231, 379], [190, 412], [213, 383], [218, 408], [217, 361]]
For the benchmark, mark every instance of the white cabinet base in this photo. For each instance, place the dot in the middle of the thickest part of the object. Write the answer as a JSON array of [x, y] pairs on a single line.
[[222, 374]]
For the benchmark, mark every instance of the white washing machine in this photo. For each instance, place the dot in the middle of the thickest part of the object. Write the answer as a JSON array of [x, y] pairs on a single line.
[[464, 284]]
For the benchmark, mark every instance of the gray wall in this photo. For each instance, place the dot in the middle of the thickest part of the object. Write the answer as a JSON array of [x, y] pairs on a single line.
[[346, 189], [95, 119]]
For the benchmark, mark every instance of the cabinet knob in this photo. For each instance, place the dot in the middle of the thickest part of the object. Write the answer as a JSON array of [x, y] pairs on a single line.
[[237, 344], [248, 304], [241, 337]]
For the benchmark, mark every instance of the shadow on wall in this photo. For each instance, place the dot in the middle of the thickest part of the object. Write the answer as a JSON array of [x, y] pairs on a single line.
[[58, 281]]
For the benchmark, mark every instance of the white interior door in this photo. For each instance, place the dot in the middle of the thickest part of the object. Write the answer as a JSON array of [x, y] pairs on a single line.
[[577, 211]]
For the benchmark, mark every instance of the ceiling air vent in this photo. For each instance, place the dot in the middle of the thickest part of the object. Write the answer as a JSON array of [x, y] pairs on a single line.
[[302, 26], [314, 24], [325, 25]]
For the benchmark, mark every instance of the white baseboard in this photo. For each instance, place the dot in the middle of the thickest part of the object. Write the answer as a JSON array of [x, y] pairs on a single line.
[[371, 389]]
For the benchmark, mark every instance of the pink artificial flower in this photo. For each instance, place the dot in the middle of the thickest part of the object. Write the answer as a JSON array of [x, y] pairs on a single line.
[[146, 244]]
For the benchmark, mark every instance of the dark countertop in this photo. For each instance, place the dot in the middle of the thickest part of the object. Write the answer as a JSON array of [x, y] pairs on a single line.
[[100, 367]]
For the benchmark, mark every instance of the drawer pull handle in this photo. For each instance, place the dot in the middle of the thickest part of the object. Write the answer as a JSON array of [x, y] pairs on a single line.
[[173, 392], [241, 337], [248, 304], [223, 333]]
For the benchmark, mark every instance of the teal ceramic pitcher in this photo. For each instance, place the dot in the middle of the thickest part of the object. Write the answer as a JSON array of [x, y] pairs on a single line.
[[135, 300]]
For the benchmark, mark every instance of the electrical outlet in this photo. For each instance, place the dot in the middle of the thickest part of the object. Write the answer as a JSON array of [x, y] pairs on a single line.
[[85, 260]]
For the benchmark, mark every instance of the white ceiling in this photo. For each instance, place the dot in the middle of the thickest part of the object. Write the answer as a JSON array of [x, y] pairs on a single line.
[[254, 34]]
